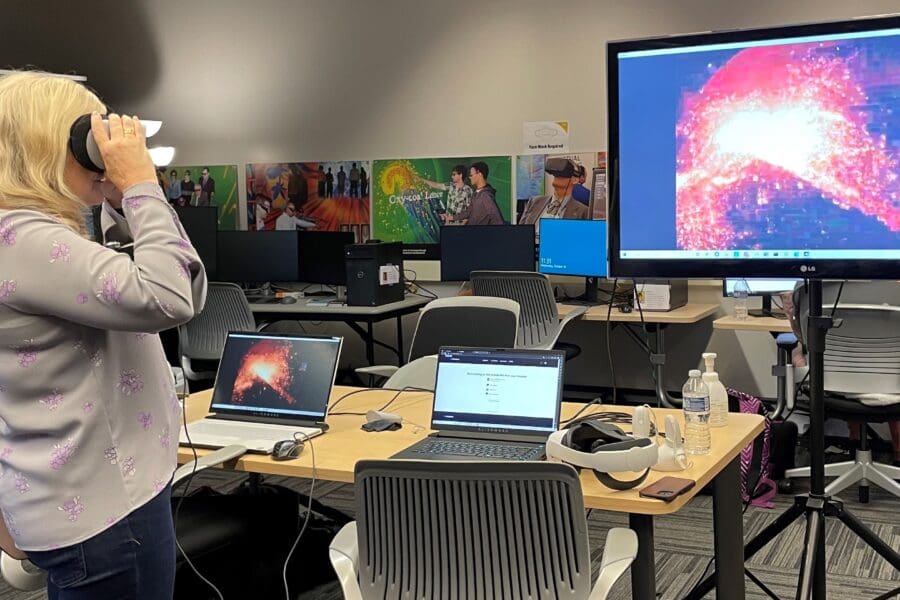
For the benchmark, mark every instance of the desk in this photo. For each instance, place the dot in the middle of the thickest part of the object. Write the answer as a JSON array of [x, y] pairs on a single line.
[[763, 324], [351, 315], [654, 322], [783, 363], [338, 451]]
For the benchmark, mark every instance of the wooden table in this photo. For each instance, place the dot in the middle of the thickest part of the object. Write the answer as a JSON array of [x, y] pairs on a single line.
[[338, 451], [653, 322], [762, 324]]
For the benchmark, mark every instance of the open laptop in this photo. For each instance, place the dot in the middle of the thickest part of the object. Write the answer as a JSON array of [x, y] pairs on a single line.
[[492, 405], [269, 386]]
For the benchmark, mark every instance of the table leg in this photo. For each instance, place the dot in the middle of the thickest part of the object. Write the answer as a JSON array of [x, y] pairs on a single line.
[[728, 523], [643, 569], [401, 357], [370, 343]]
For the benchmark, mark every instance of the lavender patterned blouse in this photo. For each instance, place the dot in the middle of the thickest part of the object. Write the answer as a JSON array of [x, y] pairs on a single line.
[[89, 419]]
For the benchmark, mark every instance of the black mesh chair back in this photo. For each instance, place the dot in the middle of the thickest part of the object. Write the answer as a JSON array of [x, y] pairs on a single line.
[[450, 530], [465, 321], [539, 323], [203, 337]]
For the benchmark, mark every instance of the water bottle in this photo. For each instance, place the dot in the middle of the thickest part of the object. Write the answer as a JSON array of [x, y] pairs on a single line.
[[695, 401], [741, 293], [718, 395]]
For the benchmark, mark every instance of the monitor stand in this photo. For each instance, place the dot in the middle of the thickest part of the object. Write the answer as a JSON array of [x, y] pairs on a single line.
[[589, 297], [766, 310]]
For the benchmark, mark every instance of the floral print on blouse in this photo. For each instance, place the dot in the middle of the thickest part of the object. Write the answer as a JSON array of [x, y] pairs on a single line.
[[87, 417]]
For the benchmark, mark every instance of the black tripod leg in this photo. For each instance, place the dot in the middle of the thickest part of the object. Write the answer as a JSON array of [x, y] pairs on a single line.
[[869, 537], [770, 531], [765, 536], [807, 582]]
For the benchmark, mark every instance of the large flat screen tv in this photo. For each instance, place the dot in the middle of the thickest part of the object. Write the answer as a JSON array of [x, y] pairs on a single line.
[[760, 153]]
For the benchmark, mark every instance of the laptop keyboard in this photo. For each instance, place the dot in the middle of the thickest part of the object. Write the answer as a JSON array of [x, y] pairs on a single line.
[[480, 450]]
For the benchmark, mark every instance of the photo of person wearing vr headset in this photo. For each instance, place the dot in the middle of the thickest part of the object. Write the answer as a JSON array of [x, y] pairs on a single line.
[[89, 418], [559, 204]]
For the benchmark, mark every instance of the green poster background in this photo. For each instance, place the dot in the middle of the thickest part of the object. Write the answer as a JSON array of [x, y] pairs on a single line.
[[404, 209], [226, 196]]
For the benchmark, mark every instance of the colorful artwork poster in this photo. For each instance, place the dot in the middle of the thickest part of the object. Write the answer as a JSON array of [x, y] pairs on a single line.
[[413, 198], [204, 185], [317, 196], [599, 192], [559, 196], [529, 176]]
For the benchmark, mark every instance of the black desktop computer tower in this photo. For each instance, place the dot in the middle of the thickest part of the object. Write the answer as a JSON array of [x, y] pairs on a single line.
[[374, 273]]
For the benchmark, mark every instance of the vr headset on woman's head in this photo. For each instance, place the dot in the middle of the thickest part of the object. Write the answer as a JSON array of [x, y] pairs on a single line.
[[84, 146]]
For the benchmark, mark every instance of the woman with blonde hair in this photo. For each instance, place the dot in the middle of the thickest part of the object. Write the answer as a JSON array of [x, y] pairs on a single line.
[[89, 419]]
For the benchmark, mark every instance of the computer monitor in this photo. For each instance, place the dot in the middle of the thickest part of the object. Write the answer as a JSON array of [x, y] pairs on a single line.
[[201, 223], [574, 247], [257, 256], [766, 153], [321, 255], [467, 248], [761, 287]]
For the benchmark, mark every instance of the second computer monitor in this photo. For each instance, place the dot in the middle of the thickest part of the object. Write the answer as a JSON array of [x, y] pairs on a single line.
[[467, 248], [321, 256], [201, 223], [573, 247], [257, 256]]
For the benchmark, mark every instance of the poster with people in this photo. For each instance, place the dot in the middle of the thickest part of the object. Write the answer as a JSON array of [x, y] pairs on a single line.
[[413, 198], [319, 196], [555, 186], [204, 185]]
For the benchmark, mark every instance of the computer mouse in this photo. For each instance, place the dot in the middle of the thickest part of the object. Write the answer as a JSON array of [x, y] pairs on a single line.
[[286, 449], [288, 300]]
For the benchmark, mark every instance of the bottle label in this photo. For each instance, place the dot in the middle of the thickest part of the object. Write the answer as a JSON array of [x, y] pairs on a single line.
[[696, 403]]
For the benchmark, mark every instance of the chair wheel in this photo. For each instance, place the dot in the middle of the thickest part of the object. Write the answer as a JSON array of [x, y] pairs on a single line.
[[863, 494], [785, 486]]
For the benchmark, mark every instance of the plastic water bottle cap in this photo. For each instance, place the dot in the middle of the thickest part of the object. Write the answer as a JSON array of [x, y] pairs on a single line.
[[694, 373]]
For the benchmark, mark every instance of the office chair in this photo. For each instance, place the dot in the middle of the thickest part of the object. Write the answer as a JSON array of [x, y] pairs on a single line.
[[22, 575], [446, 530], [862, 361], [455, 321], [540, 324], [202, 339]]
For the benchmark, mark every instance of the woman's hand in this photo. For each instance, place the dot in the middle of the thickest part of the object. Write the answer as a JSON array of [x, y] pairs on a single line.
[[124, 150]]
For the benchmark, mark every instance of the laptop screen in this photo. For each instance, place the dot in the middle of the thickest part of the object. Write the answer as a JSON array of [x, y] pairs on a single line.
[[276, 375], [498, 391]]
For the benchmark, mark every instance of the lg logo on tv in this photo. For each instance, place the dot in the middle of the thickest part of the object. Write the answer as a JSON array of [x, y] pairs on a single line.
[[807, 269]]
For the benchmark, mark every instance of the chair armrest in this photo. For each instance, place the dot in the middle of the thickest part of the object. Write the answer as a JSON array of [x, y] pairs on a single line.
[[378, 370], [576, 313], [21, 574], [344, 554], [619, 552], [210, 460], [549, 342]]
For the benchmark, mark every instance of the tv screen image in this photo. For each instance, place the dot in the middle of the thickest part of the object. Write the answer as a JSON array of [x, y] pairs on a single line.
[[771, 152]]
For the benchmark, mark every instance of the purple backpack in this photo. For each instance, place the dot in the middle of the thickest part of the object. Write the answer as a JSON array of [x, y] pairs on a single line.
[[757, 486]]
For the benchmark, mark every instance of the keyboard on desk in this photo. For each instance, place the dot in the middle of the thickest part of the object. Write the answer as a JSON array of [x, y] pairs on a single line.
[[472, 450], [258, 437]]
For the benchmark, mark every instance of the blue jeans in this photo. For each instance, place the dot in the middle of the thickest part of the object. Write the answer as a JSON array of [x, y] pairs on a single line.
[[133, 558]]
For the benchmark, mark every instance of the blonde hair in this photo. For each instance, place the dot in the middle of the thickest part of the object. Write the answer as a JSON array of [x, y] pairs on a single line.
[[36, 113]]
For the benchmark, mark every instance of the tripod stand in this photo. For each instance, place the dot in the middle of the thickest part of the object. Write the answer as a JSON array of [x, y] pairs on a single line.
[[816, 505]]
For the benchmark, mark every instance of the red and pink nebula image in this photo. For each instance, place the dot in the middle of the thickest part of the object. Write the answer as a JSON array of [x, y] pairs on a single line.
[[268, 364], [779, 123]]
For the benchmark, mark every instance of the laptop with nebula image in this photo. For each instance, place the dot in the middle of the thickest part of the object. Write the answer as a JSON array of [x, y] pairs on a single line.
[[269, 386]]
